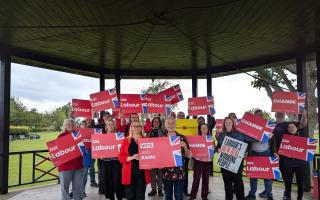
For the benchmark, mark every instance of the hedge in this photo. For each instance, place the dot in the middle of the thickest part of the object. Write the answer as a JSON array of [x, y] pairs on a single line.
[[17, 130]]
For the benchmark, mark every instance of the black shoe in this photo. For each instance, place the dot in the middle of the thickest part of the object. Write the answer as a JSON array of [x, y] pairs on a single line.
[[94, 184], [84, 195], [160, 193], [308, 189], [270, 198], [152, 193], [71, 195], [191, 198], [186, 193], [250, 197]]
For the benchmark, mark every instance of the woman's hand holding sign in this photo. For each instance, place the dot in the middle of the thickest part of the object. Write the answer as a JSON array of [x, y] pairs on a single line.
[[134, 157]]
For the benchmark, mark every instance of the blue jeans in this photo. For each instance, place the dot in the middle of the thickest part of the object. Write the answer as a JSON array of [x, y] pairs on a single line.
[[254, 181], [92, 172], [175, 187]]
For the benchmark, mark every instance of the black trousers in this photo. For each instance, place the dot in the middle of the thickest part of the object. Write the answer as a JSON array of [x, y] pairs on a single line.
[[112, 179], [230, 179], [200, 170], [137, 189], [101, 176], [289, 172], [186, 175]]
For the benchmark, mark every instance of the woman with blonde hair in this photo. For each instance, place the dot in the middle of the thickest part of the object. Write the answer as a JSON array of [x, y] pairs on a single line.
[[111, 170], [71, 172], [134, 179]]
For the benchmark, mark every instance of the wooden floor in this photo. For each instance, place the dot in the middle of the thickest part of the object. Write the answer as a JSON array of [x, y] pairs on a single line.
[[216, 187]]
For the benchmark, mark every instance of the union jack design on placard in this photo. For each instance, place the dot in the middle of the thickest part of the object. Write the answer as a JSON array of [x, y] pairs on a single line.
[[112, 91], [168, 109], [209, 138], [144, 107], [180, 96], [312, 145], [276, 173], [274, 160], [174, 140], [210, 99], [169, 97], [82, 149], [119, 135], [267, 132], [97, 130], [211, 109], [301, 101], [211, 151], [143, 96], [177, 158], [115, 102], [176, 87], [76, 135]]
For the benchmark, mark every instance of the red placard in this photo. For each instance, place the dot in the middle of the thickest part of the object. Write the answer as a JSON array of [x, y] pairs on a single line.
[[288, 102], [262, 167], [256, 127], [104, 100], [66, 148], [117, 114], [157, 103], [201, 147], [133, 103], [173, 94], [201, 106], [298, 147], [81, 108], [219, 125], [159, 152], [106, 145], [315, 193], [86, 134]]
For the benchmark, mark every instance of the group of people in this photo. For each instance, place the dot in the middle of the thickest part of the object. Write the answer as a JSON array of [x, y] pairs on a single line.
[[233, 182], [122, 178]]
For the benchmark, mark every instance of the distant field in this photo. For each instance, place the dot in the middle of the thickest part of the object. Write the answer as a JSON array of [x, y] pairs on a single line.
[[28, 145]]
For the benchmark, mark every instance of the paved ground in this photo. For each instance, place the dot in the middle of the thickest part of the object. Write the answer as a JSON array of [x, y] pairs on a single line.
[[216, 187]]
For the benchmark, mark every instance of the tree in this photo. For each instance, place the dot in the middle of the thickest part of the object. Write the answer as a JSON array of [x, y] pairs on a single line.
[[156, 87], [266, 114], [276, 78], [59, 115]]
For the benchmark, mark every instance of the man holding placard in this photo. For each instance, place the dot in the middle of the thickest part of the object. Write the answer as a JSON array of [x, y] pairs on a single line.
[[260, 149]]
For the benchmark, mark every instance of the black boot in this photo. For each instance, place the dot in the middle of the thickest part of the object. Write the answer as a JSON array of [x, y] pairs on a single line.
[[160, 193], [152, 193]]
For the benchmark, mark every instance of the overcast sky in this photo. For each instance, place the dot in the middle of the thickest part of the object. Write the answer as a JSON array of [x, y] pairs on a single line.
[[46, 89]]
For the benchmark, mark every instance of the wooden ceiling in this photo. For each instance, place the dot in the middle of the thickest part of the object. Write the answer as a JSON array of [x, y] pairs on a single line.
[[159, 38]]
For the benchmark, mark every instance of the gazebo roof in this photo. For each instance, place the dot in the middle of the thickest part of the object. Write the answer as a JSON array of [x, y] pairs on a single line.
[[156, 38]]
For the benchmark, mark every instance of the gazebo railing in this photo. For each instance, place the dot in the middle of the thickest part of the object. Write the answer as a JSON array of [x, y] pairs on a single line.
[[42, 169]]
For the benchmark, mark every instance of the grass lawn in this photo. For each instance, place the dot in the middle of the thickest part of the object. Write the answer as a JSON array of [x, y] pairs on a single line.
[[28, 145]]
